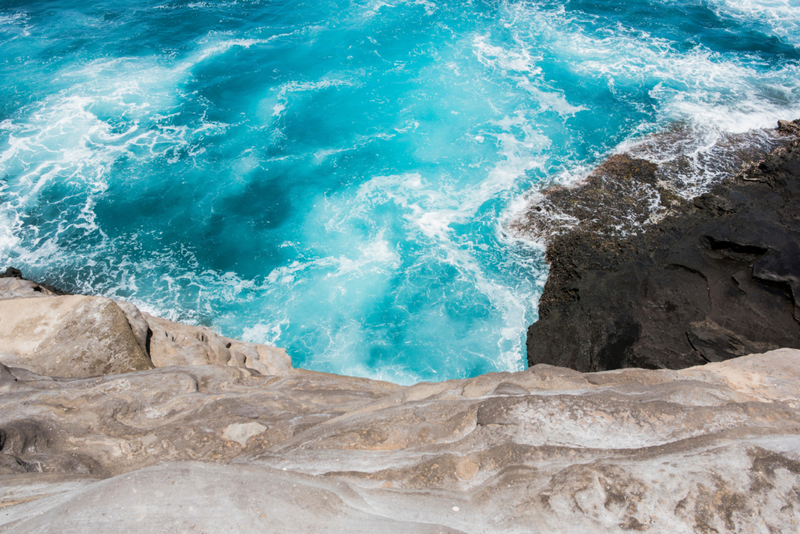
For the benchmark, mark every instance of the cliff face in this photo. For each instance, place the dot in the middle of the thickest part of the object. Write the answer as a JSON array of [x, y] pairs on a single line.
[[200, 440], [703, 281]]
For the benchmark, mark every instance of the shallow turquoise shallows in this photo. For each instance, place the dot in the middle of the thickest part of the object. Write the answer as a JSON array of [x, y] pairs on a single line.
[[334, 177]]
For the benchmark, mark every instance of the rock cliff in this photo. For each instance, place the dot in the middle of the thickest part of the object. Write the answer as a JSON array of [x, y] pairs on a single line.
[[214, 435], [690, 282]]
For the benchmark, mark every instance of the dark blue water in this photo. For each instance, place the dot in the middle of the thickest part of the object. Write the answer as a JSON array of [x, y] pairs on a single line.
[[335, 177]]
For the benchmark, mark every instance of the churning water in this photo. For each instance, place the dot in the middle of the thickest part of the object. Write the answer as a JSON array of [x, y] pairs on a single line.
[[334, 176]]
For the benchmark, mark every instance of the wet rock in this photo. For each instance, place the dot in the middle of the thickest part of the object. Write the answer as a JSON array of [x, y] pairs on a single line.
[[789, 127], [11, 272]]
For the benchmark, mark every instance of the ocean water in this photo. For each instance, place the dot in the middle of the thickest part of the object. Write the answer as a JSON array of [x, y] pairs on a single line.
[[335, 177]]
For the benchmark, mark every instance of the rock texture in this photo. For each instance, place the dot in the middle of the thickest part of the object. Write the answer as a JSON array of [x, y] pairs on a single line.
[[220, 449], [178, 344], [74, 336], [69, 336], [707, 280]]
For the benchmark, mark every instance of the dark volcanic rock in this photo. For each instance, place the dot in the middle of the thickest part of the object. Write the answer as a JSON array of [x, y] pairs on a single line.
[[716, 278]]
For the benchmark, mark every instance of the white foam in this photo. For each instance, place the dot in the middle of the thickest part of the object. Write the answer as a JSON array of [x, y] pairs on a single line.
[[779, 17], [9, 228], [429, 207], [518, 64], [432, 210], [516, 60], [713, 95], [699, 86], [548, 100], [373, 7], [65, 139], [62, 135], [430, 7], [268, 334], [14, 19], [374, 256], [278, 103], [213, 48]]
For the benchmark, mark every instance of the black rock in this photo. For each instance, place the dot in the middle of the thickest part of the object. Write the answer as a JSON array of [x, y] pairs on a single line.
[[11, 272], [716, 278]]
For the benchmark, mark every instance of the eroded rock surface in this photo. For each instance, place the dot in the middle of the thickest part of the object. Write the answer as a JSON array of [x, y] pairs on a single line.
[[217, 448], [69, 336], [54, 334], [707, 280], [173, 343]]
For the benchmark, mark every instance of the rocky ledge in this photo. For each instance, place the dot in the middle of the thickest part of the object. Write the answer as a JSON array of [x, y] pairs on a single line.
[[115, 421], [682, 284]]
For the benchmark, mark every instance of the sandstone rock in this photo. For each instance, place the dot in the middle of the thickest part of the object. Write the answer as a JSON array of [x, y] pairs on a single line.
[[164, 342], [175, 344], [242, 432], [68, 336], [12, 287], [714, 448], [137, 322], [209, 498]]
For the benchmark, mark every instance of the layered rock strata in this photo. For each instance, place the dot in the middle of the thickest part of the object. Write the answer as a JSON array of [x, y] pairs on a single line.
[[691, 282], [228, 448]]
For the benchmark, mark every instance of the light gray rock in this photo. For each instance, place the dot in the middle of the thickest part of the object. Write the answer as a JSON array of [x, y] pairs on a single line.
[[217, 448], [68, 336], [176, 344], [197, 497], [163, 343], [137, 322], [14, 288], [242, 432]]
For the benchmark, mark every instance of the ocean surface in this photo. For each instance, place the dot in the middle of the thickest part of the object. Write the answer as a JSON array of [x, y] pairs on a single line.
[[336, 177]]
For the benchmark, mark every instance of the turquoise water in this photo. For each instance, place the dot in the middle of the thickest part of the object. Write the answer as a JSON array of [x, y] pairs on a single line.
[[335, 177]]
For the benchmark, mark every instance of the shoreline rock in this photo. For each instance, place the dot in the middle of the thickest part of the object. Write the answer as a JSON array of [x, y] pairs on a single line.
[[713, 279], [226, 445], [214, 448], [69, 336], [49, 332]]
